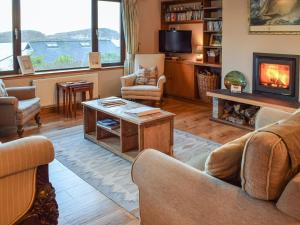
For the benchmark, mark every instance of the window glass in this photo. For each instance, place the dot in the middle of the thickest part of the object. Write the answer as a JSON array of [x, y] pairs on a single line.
[[109, 31], [56, 33], [6, 44]]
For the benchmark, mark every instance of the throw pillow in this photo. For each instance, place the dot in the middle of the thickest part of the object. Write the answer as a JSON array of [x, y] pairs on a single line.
[[147, 76], [225, 162], [3, 92]]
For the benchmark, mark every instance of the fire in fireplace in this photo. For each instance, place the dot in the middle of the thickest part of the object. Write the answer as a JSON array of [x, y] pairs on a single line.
[[276, 75]]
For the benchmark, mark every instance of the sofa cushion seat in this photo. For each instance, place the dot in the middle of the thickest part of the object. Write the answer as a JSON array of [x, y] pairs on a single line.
[[144, 90], [27, 107]]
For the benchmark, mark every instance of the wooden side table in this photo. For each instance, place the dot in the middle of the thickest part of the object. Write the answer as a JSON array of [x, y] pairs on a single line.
[[80, 88], [69, 90]]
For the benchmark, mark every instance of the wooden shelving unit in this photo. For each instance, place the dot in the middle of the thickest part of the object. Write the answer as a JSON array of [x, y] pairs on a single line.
[[212, 26], [178, 12]]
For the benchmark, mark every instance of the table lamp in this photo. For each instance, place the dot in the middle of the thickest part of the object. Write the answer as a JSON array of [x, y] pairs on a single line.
[[199, 53]]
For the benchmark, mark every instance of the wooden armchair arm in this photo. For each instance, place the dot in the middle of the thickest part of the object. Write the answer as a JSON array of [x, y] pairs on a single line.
[[128, 80], [22, 93]]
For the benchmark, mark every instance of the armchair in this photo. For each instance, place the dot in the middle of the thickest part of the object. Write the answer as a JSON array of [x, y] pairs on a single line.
[[27, 196], [145, 92], [20, 106]]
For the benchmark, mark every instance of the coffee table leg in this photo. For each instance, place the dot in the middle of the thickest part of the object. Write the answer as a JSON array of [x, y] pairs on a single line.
[[57, 98], [64, 102], [70, 103], [75, 103]]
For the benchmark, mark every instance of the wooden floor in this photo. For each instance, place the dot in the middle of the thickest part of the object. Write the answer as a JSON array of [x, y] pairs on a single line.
[[79, 203]]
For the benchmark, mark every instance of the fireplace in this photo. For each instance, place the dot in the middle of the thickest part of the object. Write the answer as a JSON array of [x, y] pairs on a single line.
[[276, 75]]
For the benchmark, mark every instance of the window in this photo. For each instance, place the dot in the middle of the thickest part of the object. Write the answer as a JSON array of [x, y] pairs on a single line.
[[6, 41], [109, 31], [59, 37], [53, 36]]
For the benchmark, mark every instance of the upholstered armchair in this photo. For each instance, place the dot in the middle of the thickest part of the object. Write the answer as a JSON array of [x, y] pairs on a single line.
[[26, 195], [18, 107], [145, 92], [173, 193]]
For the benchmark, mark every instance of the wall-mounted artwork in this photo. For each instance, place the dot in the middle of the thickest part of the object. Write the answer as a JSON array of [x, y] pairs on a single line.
[[274, 16]]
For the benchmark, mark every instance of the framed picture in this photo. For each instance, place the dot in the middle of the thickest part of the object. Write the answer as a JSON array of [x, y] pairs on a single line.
[[25, 64], [215, 40], [95, 60], [274, 17]]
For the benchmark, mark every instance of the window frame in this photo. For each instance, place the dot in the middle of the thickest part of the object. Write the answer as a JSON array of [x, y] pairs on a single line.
[[95, 42], [17, 38]]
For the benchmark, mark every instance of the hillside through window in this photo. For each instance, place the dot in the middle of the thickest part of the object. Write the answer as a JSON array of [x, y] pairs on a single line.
[[109, 37], [56, 37], [59, 34]]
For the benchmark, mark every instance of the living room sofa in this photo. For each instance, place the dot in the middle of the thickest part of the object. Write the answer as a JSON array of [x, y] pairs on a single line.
[[26, 195], [173, 193]]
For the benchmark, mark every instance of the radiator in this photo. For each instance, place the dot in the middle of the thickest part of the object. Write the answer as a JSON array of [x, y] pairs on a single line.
[[46, 88]]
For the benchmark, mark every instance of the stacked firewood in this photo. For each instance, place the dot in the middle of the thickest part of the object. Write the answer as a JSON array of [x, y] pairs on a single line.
[[238, 113]]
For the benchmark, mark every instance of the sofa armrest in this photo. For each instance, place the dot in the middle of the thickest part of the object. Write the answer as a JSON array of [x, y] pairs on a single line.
[[9, 101], [174, 193], [161, 81], [267, 116], [24, 154], [128, 80], [22, 93]]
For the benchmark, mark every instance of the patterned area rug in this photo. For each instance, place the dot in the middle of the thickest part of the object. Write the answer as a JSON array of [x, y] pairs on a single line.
[[109, 173]]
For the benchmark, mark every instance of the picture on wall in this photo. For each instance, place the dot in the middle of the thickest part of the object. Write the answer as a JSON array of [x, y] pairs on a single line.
[[274, 16]]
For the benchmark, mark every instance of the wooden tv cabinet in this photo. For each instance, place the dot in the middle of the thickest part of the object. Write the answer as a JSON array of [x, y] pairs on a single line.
[[135, 133]]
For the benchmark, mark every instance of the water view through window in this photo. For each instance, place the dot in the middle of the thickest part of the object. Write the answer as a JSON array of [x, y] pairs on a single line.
[[6, 45], [57, 33]]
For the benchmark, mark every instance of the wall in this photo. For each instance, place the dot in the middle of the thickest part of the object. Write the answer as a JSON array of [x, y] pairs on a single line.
[[149, 14], [149, 19], [238, 45], [108, 82]]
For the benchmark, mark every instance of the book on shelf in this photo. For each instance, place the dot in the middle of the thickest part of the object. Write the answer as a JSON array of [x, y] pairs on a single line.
[[109, 123], [143, 111]]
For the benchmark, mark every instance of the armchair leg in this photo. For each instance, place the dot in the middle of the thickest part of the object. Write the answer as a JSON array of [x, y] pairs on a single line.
[[20, 131], [38, 119]]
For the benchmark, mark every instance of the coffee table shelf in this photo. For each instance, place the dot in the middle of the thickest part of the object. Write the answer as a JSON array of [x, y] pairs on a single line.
[[135, 133]]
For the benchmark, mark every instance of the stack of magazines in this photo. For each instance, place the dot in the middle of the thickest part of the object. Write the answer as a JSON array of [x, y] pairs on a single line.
[[111, 102], [109, 123]]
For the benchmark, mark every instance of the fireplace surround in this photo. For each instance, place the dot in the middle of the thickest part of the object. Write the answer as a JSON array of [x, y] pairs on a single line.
[[276, 75]]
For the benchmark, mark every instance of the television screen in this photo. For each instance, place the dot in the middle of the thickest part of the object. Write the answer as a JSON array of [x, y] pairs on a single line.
[[175, 41]]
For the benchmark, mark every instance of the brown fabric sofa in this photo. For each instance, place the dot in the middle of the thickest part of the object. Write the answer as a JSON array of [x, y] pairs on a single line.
[[173, 193], [26, 195], [20, 106]]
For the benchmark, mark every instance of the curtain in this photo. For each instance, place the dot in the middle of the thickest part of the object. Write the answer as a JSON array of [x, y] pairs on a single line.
[[130, 26]]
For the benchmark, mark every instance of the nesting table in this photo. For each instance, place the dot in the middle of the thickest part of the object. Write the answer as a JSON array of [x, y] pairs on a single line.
[[69, 92]]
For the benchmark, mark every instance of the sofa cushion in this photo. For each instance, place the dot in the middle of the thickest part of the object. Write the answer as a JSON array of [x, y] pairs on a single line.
[[142, 90], [28, 107], [146, 76], [265, 166], [289, 200], [225, 162], [3, 92]]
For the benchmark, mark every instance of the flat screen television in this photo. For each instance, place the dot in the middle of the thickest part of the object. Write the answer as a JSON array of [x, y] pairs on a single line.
[[175, 41]]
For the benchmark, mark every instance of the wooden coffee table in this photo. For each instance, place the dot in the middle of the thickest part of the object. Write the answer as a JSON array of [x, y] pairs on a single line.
[[135, 133]]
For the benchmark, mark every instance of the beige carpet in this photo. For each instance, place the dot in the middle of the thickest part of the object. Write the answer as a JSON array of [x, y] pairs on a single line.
[[109, 173]]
